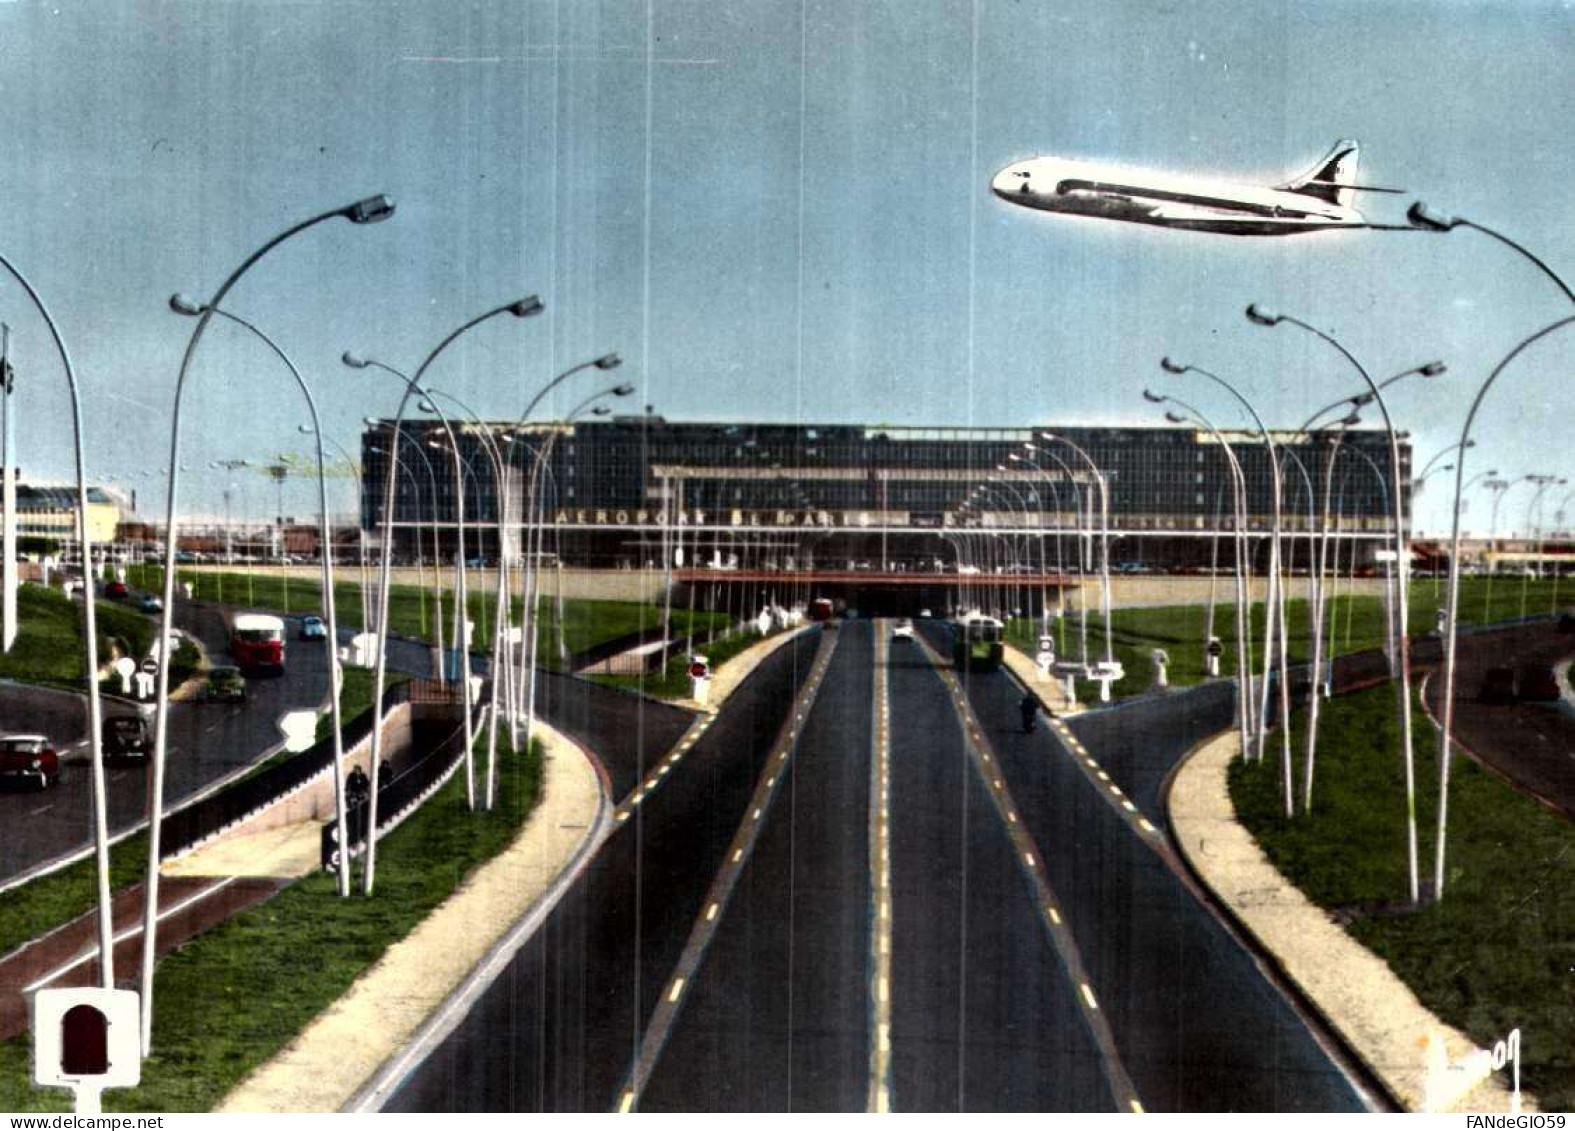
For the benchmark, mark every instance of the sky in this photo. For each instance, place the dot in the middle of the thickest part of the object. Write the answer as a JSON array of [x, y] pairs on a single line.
[[774, 210]]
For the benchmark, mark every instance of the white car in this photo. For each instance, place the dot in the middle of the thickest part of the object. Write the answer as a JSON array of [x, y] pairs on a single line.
[[903, 631]]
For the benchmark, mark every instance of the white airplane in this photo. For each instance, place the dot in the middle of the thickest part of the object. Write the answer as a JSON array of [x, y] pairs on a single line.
[[1318, 200]]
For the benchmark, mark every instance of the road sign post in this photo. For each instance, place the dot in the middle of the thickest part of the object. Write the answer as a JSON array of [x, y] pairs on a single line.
[[86, 1039], [1212, 651], [1161, 663], [699, 679]]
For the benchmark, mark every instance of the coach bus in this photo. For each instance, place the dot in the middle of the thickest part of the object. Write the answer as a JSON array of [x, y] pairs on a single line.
[[257, 642], [976, 643]]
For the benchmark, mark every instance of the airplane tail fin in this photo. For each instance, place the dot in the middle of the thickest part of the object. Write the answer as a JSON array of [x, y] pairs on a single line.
[[1330, 179]]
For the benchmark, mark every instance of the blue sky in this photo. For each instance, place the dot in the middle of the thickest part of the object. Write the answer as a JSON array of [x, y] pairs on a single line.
[[774, 210]]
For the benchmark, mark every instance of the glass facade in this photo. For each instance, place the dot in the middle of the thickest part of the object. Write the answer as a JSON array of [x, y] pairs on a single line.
[[605, 486]]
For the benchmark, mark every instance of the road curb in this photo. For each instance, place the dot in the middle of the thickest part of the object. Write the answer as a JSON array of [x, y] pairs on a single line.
[[1361, 1003], [394, 986]]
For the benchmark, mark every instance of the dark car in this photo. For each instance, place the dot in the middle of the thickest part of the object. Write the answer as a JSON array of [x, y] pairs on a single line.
[[1536, 683], [127, 736], [148, 603], [1498, 686], [29, 757], [224, 685], [115, 590]]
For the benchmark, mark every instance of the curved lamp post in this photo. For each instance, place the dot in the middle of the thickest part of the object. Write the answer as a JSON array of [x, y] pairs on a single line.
[[370, 210], [414, 443], [1452, 609], [1274, 595], [1421, 216], [106, 937], [520, 308], [1259, 316], [1195, 418], [1104, 545], [499, 660], [183, 305]]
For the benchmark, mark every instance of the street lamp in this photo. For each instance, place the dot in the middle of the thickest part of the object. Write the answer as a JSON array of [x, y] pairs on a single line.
[[1534, 532], [1239, 495], [1262, 317], [1452, 609], [182, 305], [498, 663], [1275, 589], [106, 937], [520, 308], [1104, 551], [1421, 216], [370, 210]]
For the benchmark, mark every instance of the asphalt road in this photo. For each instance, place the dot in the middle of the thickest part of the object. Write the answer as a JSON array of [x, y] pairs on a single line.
[[560, 1029], [207, 741], [1199, 1025], [1531, 744], [720, 952]]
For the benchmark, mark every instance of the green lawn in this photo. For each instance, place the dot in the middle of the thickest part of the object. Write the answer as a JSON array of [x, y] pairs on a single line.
[[48, 646], [263, 976], [412, 610], [672, 682], [1499, 951], [1358, 625]]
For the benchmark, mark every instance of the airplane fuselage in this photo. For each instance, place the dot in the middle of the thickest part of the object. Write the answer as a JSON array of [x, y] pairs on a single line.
[[1145, 196]]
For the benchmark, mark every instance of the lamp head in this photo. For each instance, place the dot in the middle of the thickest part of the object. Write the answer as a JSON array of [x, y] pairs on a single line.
[[305, 429], [1175, 418], [354, 360], [1262, 316], [1421, 216], [1471, 443], [372, 210], [526, 306], [1352, 420], [427, 406], [600, 410], [1152, 397], [609, 361], [1432, 369], [1170, 366], [181, 304], [371, 422], [622, 390]]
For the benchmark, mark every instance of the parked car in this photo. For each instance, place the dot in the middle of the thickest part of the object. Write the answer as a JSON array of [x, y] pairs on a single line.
[[115, 590], [224, 685], [903, 630], [313, 628], [29, 757], [127, 736], [150, 604]]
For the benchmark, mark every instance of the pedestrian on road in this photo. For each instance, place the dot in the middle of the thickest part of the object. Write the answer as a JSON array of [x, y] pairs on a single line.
[[1029, 708]]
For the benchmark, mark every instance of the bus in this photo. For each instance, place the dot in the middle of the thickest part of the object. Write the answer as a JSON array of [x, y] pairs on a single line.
[[976, 643], [257, 642]]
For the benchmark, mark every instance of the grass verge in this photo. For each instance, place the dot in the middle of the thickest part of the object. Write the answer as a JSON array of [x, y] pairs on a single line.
[[1499, 951], [262, 976], [672, 682], [412, 611], [1357, 622]]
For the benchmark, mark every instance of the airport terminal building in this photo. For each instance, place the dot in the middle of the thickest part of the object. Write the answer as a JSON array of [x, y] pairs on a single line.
[[620, 492]]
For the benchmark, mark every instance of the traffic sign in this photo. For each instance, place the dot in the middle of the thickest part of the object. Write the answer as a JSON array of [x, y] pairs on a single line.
[[150, 665]]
